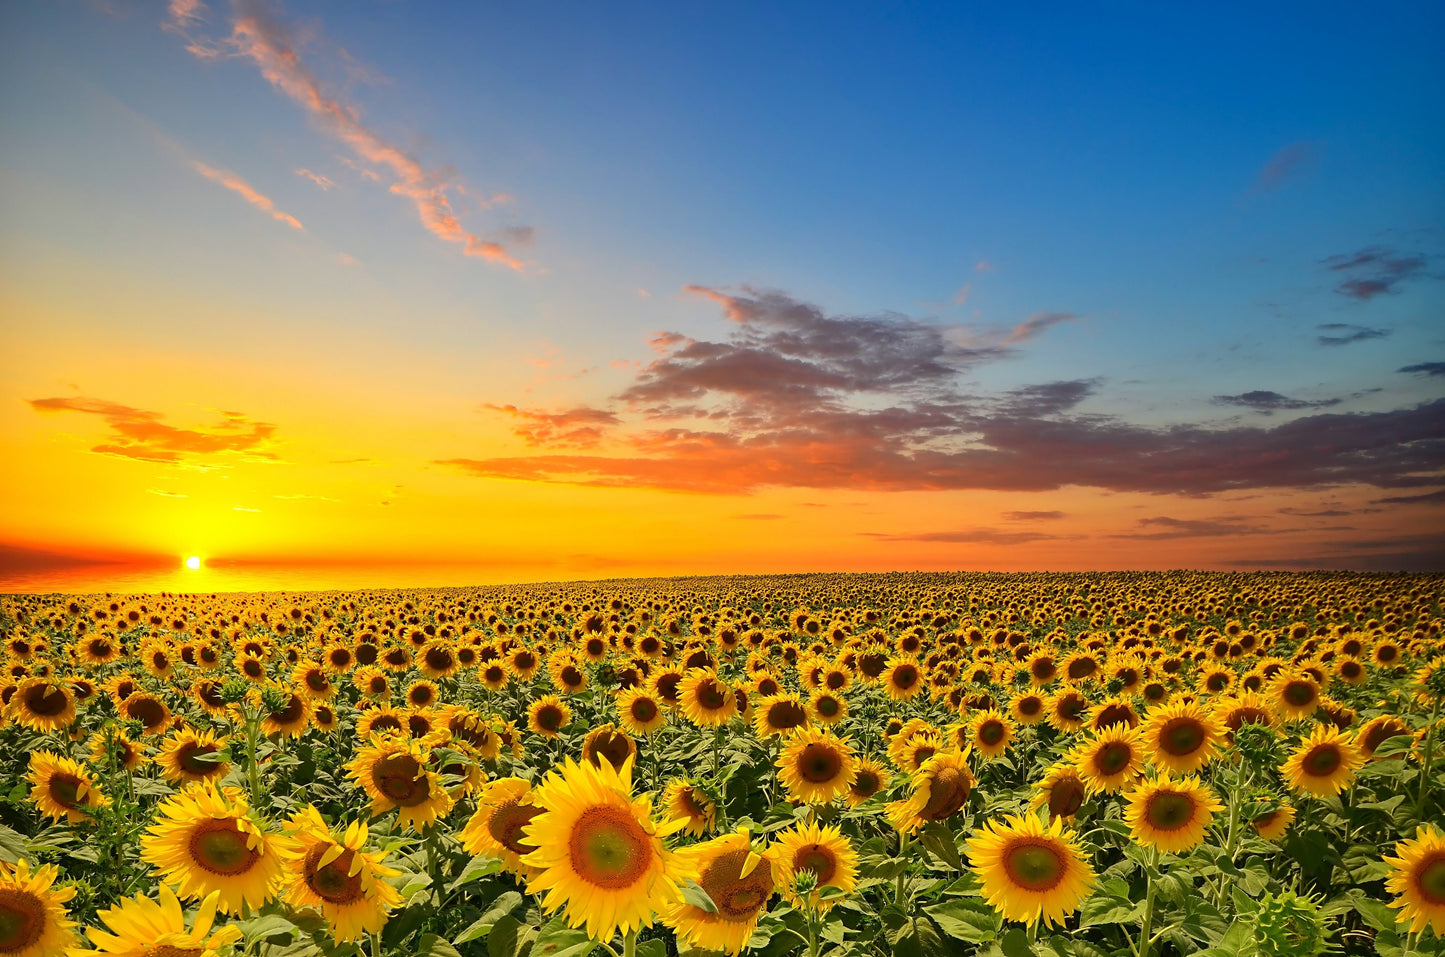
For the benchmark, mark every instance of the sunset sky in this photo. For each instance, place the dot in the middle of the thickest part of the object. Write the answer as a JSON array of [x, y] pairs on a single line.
[[585, 290]]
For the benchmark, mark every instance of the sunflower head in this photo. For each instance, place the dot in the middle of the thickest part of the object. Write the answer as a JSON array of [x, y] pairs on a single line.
[[1030, 873], [140, 925], [607, 743], [504, 809], [331, 871], [397, 773], [937, 791], [823, 852], [1323, 764], [1182, 736], [817, 766], [62, 789], [1062, 790], [1287, 925], [33, 918], [738, 880], [1170, 815], [1417, 878], [685, 801], [205, 840]]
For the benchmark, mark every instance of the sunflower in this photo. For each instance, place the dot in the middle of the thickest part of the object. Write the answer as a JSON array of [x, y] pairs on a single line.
[[779, 714], [141, 927], [1271, 825], [1376, 732], [1067, 710], [61, 788], [188, 757], [902, 679], [504, 808], [334, 875], [607, 743], [314, 680], [205, 840], [666, 683], [1062, 790], [598, 854], [1030, 872], [1170, 815], [684, 801], [706, 700], [43, 704], [1323, 764], [422, 693], [817, 766], [938, 791], [1111, 760], [149, 710], [1028, 707], [371, 681], [827, 708], [1182, 736], [990, 732], [494, 675], [1246, 707], [1417, 875], [872, 778], [128, 754], [548, 715], [379, 720], [825, 852], [1115, 710], [738, 880], [395, 774], [287, 713], [33, 918], [1294, 695], [639, 712]]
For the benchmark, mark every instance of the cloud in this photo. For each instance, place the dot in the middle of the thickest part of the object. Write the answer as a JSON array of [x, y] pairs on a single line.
[[968, 536], [242, 508], [1265, 402], [139, 434], [325, 182], [1284, 165], [182, 15], [1036, 324], [1375, 271], [1427, 498], [165, 494], [1320, 513], [1343, 333], [580, 427], [1033, 516], [961, 297], [1190, 528], [984, 266], [258, 36], [1049, 398], [236, 184], [1425, 368]]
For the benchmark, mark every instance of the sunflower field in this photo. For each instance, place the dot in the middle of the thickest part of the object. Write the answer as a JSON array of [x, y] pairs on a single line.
[[1078, 765]]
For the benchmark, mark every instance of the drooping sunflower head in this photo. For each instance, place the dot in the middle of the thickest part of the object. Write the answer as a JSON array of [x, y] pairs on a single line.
[[504, 809], [398, 773], [739, 881], [937, 791], [610, 744], [332, 872], [822, 851], [33, 918], [1181, 736], [205, 840], [598, 854], [1323, 764], [817, 766], [1029, 872], [1170, 814], [62, 789], [1417, 878], [682, 800], [1062, 790], [1111, 760]]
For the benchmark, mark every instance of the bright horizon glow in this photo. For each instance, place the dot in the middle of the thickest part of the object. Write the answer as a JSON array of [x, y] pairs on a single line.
[[194, 562]]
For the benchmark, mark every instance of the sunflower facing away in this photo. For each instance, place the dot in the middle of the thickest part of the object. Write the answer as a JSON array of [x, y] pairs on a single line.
[[504, 808], [938, 791], [33, 919], [1170, 815], [1417, 876], [738, 880], [149, 928], [61, 788], [336, 876], [825, 852], [205, 840], [817, 766], [1030, 872], [1323, 764], [1062, 790], [598, 854]]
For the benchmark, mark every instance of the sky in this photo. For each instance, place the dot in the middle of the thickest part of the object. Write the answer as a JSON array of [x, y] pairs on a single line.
[[539, 291]]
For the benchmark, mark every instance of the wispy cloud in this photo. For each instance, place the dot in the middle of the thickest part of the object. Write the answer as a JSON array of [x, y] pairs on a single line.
[[1426, 498], [1344, 333], [965, 536], [1266, 402], [165, 494], [325, 182], [258, 36], [1036, 324], [1048, 516], [238, 185], [1284, 166], [580, 427], [1424, 368], [1167, 527], [139, 433], [1374, 271]]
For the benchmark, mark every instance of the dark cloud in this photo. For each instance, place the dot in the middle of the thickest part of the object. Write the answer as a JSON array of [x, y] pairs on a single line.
[[579, 428], [1190, 528], [1284, 165], [1344, 333], [968, 536], [1374, 271], [139, 433], [1319, 513], [1427, 498], [1403, 553], [1050, 398], [1032, 516], [1266, 402], [1424, 368]]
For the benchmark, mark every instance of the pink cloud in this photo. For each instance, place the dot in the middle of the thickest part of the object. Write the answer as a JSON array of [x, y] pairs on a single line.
[[325, 182], [236, 184], [140, 433]]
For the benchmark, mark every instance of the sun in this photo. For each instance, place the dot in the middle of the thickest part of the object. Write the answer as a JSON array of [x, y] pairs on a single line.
[[194, 562]]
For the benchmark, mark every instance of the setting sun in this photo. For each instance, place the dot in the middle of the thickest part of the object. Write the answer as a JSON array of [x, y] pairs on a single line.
[[194, 562]]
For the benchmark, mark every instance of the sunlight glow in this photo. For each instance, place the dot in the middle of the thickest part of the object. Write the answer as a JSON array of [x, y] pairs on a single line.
[[194, 562]]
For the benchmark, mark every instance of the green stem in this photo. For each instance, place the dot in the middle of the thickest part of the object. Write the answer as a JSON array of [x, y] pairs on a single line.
[[629, 944], [253, 769], [1150, 867], [1427, 761], [902, 875], [812, 914]]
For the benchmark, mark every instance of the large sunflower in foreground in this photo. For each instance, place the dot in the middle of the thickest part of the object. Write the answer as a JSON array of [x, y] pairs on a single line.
[[817, 766], [738, 880], [337, 877], [1323, 764], [205, 840], [33, 920], [1183, 736], [141, 927], [62, 789], [1030, 872], [598, 853], [396, 774], [936, 792], [1417, 875], [504, 808], [1171, 815], [825, 852]]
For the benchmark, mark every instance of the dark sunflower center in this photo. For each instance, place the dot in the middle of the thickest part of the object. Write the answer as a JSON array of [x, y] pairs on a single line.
[[615, 747], [253, 668], [45, 701], [786, 714], [1381, 733], [738, 898], [818, 859], [1113, 757], [835, 680], [292, 713], [396, 777], [667, 686], [1043, 669], [1030, 706], [1169, 810], [710, 697], [820, 763], [22, 920], [991, 732], [421, 695], [65, 790], [1387, 653], [947, 793], [1082, 668], [827, 707], [549, 717], [1299, 693], [905, 676], [317, 680], [1034, 865], [1116, 714], [608, 848], [644, 710], [1070, 707], [147, 711], [1430, 879], [218, 847], [1182, 736], [572, 676], [1066, 797], [1322, 760], [332, 883], [867, 784], [187, 758], [922, 753], [506, 824]]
